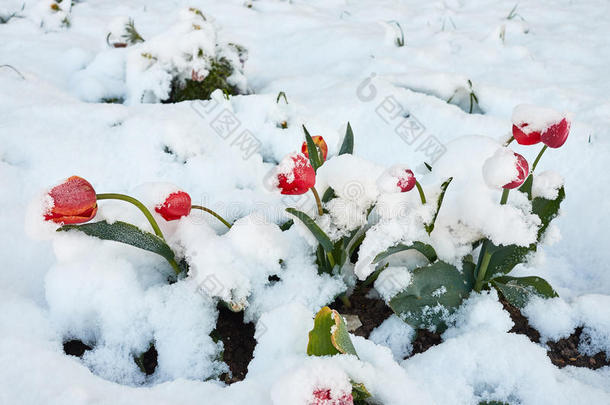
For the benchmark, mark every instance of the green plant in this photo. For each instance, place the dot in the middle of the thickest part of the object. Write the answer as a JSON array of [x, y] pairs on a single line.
[[189, 89]]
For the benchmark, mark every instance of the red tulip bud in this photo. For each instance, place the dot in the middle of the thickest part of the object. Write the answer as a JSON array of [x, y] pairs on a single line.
[[74, 202], [523, 137], [533, 124], [323, 397], [522, 172], [500, 168], [407, 181], [320, 143], [295, 175], [176, 206], [556, 135]]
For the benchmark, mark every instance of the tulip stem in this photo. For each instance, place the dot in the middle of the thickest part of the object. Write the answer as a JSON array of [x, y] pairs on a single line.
[[504, 198], [422, 196], [544, 148], [485, 254], [221, 219], [141, 207], [483, 264], [318, 202]]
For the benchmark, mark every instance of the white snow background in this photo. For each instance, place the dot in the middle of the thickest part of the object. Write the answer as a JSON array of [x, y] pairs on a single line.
[[553, 54]]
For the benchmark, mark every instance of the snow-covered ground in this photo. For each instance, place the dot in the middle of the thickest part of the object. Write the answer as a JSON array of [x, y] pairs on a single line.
[[337, 61]]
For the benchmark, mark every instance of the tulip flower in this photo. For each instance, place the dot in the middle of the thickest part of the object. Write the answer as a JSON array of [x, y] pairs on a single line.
[[399, 178], [555, 135], [522, 173], [524, 136], [533, 124], [320, 144], [295, 175], [505, 169], [323, 397], [407, 181], [175, 206], [74, 202]]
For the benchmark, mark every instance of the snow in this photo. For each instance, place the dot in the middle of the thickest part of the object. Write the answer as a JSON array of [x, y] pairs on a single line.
[[337, 62], [547, 184], [537, 119], [500, 168], [391, 281]]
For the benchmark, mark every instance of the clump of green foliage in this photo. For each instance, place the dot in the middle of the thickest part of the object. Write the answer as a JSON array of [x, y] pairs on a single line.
[[189, 89]]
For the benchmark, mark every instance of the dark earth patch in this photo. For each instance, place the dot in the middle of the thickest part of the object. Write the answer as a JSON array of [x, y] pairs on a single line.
[[238, 340]]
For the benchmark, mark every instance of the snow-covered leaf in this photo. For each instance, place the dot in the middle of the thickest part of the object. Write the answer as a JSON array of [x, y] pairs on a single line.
[[421, 247], [505, 258], [435, 292], [518, 290], [125, 233]]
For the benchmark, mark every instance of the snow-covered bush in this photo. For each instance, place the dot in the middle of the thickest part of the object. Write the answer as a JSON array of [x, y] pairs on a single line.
[[186, 62]]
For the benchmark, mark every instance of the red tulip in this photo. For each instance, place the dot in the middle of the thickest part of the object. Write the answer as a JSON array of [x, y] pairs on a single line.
[[176, 206], [320, 143], [556, 135], [323, 397], [523, 137], [406, 182], [522, 172], [74, 202], [295, 175]]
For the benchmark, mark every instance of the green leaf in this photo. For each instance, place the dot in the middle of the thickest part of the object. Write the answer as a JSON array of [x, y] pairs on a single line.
[[329, 194], [421, 247], [348, 141], [329, 335], [286, 225], [439, 202], [359, 392], [547, 210], [526, 187], [518, 290], [125, 233], [312, 150], [434, 292], [322, 261], [319, 234], [505, 258]]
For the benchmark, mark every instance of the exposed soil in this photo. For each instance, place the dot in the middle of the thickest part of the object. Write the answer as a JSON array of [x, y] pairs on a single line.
[[424, 340], [562, 353], [148, 360], [238, 340], [372, 312], [75, 348]]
